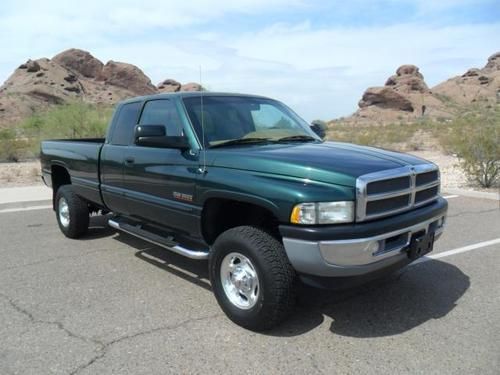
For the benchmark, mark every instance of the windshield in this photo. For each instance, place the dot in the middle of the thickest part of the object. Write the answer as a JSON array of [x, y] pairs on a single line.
[[227, 119]]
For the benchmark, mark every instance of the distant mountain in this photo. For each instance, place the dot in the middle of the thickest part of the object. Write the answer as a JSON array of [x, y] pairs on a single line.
[[405, 97], [74, 74]]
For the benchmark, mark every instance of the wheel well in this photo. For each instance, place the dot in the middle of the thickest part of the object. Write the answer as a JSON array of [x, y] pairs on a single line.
[[220, 215], [60, 177]]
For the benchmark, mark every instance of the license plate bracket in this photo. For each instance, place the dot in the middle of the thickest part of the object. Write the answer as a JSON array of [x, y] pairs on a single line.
[[420, 245]]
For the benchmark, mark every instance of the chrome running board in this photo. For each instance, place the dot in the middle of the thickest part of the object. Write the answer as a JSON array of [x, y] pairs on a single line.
[[157, 240]]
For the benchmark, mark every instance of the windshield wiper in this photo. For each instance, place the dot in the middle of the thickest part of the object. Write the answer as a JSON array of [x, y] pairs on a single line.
[[297, 138], [241, 141]]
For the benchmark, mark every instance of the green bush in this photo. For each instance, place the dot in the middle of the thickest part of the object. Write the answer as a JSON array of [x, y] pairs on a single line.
[[73, 120], [397, 136], [12, 148], [475, 138]]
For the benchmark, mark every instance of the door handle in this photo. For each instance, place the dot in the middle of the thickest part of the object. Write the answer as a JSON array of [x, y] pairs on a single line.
[[129, 160]]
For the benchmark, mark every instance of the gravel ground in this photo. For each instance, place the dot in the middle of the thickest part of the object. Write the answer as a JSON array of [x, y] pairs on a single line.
[[20, 174], [451, 174]]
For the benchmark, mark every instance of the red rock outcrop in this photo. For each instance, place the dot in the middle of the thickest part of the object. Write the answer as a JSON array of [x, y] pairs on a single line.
[[79, 61], [70, 75]]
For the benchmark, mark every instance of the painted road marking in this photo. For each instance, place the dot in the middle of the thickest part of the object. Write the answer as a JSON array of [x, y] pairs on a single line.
[[457, 251], [30, 208], [451, 196]]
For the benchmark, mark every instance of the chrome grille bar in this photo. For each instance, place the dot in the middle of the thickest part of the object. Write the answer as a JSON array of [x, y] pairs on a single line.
[[411, 172]]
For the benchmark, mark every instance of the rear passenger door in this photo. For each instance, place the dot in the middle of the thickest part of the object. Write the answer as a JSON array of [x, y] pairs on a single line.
[[113, 156], [159, 183]]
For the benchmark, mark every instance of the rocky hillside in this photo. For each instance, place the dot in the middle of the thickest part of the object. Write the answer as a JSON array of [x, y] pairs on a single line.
[[475, 85], [405, 97], [74, 74]]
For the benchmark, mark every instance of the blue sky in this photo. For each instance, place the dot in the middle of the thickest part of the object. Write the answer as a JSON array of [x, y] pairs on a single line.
[[317, 56]]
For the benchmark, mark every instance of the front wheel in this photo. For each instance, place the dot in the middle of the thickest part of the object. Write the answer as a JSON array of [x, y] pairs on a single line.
[[72, 212], [252, 278]]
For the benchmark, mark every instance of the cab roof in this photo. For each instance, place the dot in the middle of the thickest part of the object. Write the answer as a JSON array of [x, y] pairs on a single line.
[[186, 94]]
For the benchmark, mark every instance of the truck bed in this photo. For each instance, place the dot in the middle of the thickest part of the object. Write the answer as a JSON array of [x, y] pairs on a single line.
[[80, 157]]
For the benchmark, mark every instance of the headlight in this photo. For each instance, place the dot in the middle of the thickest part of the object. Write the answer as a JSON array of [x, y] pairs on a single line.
[[323, 213]]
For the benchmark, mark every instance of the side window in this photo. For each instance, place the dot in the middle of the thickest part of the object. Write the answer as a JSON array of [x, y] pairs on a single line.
[[162, 112], [125, 123]]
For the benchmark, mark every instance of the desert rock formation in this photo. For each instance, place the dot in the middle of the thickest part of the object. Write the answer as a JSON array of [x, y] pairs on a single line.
[[475, 85], [405, 97], [71, 75]]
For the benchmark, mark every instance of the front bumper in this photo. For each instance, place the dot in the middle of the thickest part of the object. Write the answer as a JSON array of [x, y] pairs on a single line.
[[360, 249]]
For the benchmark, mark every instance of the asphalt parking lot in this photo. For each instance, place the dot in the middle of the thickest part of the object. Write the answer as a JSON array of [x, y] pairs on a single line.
[[113, 304]]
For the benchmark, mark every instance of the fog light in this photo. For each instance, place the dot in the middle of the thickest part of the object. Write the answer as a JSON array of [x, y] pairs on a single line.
[[374, 247]]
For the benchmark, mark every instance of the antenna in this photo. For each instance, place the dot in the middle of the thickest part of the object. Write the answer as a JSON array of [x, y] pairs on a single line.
[[203, 168]]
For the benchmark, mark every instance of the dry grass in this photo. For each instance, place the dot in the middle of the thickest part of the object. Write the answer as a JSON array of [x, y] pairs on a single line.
[[20, 174], [401, 137]]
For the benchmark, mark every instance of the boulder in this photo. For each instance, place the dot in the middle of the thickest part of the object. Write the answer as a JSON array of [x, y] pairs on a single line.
[[409, 69], [79, 61], [493, 62], [32, 66], [407, 80], [169, 85], [391, 81], [127, 76], [386, 98], [71, 78], [413, 84], [472, 72]]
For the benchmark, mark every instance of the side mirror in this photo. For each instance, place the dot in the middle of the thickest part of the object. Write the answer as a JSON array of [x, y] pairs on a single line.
[[319, 129], [155, 136], [149, 131]]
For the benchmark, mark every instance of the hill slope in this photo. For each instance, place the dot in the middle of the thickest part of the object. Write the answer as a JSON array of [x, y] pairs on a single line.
[[70, 75]]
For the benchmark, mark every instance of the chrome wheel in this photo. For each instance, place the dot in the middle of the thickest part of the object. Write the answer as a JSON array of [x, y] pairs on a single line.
[[239, 280], [63, 210]]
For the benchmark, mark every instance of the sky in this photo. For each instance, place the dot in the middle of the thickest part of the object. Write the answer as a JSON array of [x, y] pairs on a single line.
[[316, 56]]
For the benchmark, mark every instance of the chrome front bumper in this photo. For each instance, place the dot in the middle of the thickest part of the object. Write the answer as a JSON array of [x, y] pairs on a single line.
[[353, 257]]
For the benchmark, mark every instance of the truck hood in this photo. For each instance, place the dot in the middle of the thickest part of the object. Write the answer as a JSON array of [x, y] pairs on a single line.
[[330, 162]]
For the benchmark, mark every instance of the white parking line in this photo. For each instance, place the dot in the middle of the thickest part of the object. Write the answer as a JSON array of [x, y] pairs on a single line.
[[451, 196], [457, 251], [30, 208]]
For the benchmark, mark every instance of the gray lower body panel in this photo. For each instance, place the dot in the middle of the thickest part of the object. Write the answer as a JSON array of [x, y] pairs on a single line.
[[356, 257]]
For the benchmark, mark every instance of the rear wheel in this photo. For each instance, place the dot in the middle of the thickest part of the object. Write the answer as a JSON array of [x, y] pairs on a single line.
[[72, 212], [252, 279]]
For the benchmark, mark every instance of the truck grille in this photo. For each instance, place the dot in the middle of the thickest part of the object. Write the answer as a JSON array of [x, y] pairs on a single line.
[[397, 190]]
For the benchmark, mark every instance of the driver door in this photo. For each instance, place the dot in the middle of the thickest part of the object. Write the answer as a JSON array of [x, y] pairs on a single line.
[[160, 182]]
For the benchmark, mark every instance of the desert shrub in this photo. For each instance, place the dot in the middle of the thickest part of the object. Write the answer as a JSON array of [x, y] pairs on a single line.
[[72, 120], [397, 136], [475, 138], [12, 148]]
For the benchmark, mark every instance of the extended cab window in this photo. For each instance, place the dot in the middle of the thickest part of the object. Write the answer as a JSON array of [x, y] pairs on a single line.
[[125, 123], [162, 112]]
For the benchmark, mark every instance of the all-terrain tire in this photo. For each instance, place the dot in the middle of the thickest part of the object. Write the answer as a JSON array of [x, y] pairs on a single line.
[[276, 277], [73, 222]]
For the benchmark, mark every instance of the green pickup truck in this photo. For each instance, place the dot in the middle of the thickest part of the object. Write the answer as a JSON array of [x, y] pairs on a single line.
[[244, 182]]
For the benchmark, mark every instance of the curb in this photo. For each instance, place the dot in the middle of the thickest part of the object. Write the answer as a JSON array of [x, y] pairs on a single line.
[[25, 195], [25, 204], [474, 194]]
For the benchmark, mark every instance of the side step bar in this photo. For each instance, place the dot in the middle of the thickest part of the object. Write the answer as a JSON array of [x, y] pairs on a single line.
[[158, 240]]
